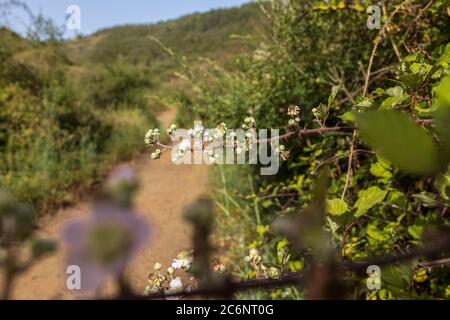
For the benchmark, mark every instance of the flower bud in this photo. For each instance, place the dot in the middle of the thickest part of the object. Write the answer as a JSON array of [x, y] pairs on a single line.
[[157, 266]]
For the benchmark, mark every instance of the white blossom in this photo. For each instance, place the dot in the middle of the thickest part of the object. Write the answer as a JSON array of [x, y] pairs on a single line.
[[183, 260]]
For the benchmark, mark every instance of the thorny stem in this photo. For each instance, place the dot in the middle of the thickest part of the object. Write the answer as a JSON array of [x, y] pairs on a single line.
[[291, 134], [277, 138], [297, 278], [366, 88]]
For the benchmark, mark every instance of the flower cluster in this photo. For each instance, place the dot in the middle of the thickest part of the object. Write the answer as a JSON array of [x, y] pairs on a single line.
[[260, 269], [152, 137], [294, 114], [219, 267], [199, 138], [249, 138], [220, 132], [284, 154], [293, 111], [172, 130], [320, 114], [181, 150], [156, 155], [212, 157], [183, 260], [197, 132], [249, 123], [169, 282]]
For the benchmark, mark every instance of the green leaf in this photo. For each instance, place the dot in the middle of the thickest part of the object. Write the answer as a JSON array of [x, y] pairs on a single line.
[[266, 204], [410, 80], [336, 207], [379, 91], [391, 102], [367, 199], [442, 92], [442, 119], [400, 140], [395, 92], [442, 184], [376, 234], [363, 103], [295, 266], [283, 243], [445, 58], [381, 170], [348, 117], [415, 231], [332, 97]]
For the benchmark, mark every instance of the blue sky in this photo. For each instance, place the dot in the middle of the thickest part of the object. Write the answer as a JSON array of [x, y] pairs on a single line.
[[98, 14]]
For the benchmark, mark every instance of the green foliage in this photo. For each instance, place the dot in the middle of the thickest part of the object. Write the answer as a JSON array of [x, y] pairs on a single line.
[[118, 85], [54, 140], [336, 207], [406, 144], [397, 181]]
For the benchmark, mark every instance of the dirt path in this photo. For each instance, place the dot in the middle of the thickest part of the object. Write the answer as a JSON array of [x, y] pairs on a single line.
[[165, 190]]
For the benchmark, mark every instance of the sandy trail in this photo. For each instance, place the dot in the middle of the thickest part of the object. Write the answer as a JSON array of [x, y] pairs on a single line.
[[166, 189]]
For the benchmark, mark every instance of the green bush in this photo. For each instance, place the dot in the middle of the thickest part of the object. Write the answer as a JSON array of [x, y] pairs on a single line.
[[313, 47]]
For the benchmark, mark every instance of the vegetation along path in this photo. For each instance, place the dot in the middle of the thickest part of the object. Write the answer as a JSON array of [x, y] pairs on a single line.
[[165, 190]]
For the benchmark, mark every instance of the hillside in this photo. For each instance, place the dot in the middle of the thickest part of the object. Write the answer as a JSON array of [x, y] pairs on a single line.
[[96, 95], [201, 34]]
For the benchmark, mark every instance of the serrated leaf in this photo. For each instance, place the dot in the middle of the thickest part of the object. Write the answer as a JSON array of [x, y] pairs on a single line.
[[363, 103], [395, 92], [367, 199], [381, 171], [400, 140], [410, 80], [336, 207]]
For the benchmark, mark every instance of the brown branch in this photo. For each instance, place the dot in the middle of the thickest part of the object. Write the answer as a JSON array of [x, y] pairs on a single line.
[[228, 288], [435, 263], [416, 21], [350, 164], [291, 134]]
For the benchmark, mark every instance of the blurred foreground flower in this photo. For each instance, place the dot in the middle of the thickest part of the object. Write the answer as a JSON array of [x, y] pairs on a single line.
[[121, 186], [104, 244]]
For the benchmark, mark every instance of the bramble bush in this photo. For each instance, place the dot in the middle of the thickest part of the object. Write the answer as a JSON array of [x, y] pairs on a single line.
[[388, 181]]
